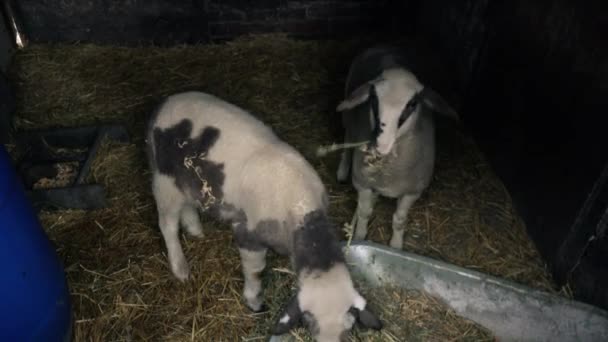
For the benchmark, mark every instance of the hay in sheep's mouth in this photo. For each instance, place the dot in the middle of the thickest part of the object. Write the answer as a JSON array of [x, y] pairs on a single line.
[[115, 259]]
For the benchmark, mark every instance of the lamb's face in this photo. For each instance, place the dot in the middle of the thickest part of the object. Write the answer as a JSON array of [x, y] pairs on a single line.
[[394, 104], [329, 325], [394, 101], [328, 305]]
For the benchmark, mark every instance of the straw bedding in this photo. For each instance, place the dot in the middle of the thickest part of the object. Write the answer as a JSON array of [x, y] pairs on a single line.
[[115, 260]]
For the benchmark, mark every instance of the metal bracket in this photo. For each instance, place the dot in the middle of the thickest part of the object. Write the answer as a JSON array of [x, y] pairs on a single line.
[[48, 147]]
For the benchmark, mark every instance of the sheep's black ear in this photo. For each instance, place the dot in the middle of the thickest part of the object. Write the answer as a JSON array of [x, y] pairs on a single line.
[[358, 96], [289, 318], [369, 320], [437, 103], [366, 318]]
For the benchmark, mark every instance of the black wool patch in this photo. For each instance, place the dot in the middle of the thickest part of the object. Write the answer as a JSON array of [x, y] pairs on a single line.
[[316, 245], [375, 107], [183, 158]]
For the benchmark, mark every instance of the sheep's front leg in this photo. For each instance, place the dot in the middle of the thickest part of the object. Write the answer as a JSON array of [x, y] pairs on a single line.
[[169, 226], [169, 203], [346, 159], [365, 206], [191, 220], [399, 219], [254, 262]]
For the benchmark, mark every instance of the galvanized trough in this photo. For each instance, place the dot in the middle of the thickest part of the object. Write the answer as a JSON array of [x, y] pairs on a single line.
[[511, 311]]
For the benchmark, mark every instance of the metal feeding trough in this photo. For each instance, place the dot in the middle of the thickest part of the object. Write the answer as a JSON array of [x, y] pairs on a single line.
[[511, 311]]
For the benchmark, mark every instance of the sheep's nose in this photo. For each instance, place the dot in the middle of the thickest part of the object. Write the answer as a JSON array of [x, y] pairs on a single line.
[[383, 149], [371, 145]]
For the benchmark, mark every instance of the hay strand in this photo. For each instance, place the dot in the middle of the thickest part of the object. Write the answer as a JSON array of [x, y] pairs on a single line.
[[322, 151]]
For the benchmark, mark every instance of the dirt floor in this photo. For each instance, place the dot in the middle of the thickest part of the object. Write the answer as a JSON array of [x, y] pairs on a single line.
[[115, 259]]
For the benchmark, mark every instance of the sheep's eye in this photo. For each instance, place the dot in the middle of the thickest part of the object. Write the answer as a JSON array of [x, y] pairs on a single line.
[[375, 111], [412, 104], [403, 117], [409, 108], [310, 322]]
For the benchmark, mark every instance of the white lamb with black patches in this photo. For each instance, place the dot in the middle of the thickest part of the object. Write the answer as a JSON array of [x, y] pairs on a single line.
[[208, 154], [387, 105]]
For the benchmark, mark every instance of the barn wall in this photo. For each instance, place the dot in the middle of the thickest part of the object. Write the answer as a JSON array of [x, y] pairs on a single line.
[[180, 21], [457, 30], [533, 77]]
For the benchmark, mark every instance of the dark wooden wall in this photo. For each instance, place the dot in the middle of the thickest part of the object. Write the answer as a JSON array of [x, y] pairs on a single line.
[[191, 21], [533, 80]]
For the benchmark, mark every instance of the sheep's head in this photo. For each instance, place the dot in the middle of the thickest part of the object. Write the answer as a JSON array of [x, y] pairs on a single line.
[[395, 98], [328, 305]]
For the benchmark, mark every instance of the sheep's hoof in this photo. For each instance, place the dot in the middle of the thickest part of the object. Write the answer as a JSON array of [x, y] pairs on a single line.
[[199, 234], [396, 242], [181, 270], [342, 175], [359, 235], [263, 308], [195, 230], [257, 306]]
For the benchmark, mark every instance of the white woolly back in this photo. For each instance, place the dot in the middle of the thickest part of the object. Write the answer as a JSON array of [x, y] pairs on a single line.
[[264, 176]]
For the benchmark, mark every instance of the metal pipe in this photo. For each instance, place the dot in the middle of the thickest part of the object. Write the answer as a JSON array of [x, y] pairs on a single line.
[[15, 24]]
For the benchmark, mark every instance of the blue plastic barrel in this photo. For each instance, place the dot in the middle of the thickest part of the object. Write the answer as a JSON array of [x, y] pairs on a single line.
[[34, 296]]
